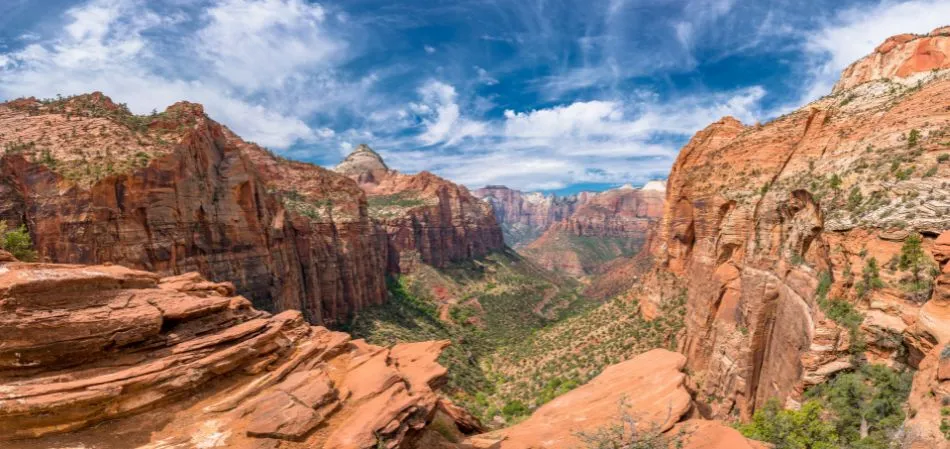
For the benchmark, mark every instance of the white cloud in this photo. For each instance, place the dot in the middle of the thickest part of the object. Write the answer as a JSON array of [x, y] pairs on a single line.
[[429, 49], [441, 116], [612, 142], [484, 77], [257, 43], [248, 61]]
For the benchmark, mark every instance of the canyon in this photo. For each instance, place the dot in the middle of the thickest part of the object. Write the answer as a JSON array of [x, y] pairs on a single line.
[[577, 234], [177, 192], [190, 282]]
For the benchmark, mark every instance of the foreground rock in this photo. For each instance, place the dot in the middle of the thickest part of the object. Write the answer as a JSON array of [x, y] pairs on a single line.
[[108, 357], [648, 390]]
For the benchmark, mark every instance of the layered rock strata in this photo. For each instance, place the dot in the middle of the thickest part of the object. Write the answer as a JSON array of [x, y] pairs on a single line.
[[426, 219], [762, 222], [108, 357]]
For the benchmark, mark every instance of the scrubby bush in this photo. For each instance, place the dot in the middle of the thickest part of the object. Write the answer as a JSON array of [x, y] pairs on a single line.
[[805, 428], [17, 242]]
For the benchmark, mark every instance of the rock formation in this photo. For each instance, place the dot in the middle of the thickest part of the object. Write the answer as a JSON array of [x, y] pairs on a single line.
[[523, 217], [176, 192], [610, 224], [108, 357], [761, 222], [905, 57], [648, 391], [427, 219]]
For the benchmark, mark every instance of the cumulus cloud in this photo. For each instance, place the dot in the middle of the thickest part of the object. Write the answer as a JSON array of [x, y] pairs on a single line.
[[441, 116], [598, 141], [230, 56]]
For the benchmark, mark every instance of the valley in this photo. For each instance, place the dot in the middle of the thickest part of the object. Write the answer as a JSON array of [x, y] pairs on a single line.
[[165, 284]]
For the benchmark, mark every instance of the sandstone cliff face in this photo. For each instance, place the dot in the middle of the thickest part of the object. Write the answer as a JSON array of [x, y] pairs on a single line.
[[523, 217], [611, 224], [108, 357], [425, 218], [905, 57], [755, 214], [177, 192]]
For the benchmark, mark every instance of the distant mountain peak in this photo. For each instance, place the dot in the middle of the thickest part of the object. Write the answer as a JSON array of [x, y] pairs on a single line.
[[362, 159]]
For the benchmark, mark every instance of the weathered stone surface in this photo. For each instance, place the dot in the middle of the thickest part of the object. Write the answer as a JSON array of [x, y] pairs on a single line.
[[649, 387], [901, 56], [524, 216], [425, 218], [609, 225], [182, 193], [108, 357], [755, 214]]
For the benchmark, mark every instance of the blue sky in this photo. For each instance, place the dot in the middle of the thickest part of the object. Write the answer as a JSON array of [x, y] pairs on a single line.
[[534, 94]]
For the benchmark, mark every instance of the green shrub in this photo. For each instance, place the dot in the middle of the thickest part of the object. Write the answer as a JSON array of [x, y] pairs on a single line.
[[514, 409], [913, 138], [805, 428], [17, 242], [870, 279], [943, 158]]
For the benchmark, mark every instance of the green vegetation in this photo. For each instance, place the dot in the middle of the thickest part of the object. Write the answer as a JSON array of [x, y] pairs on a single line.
[[805, 428], [507, 299], [315, 210], [860, 409], [913, 138], [914, 260], [391, 205], [17, 242], [943, 158], [870, 279], [844, 313]]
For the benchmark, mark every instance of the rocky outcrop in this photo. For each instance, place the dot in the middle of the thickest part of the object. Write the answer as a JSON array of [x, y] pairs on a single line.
[[930, 336], [426, 219], [756, 216], [108, 357], [611, 224], [647, 391], [899, 58], [523, 217], [178, 192]]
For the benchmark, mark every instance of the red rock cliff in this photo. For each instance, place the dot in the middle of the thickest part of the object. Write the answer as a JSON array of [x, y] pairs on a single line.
[[178, 192], [426, 218], [755, 214], [900, 57], [523, 217], [611, 224]]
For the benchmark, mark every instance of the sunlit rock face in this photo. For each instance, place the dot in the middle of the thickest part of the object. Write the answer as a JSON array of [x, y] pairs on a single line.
[[109, 357], [754, 214], [425, 218]]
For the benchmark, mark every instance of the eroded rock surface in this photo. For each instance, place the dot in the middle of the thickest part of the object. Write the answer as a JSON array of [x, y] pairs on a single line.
[[611, 224], [425, 218], [177, 192], [755, 215], [524, 216], [648, 390], [109, 357]]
